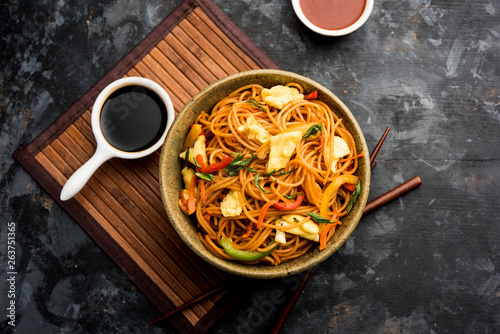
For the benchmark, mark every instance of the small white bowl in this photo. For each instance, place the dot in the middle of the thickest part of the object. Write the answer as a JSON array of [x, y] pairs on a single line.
[[338, 32]]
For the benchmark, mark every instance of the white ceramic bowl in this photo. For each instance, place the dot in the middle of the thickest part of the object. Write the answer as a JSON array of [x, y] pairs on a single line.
[[339, 32], [105, 150]]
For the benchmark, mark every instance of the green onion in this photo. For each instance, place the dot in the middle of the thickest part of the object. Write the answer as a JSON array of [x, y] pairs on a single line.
[[354, 196], [290, 196], [186, 157], [205, 176], [255, 104], [256, 179], [197, 163], [318, 219], [280, 173]]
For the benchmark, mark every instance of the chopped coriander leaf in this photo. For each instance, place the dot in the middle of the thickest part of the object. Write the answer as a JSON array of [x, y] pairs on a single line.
[[283, 173], [313, 130], [235, 166], [255, 104], [280, 173]]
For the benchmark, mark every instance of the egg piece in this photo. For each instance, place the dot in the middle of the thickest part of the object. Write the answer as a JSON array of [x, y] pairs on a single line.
[[280, 237], [253, 130], [310, 232], [279, 96], [199, 147], [230, 205], [340, 149], [310, 227], [282, 148], [187, 176]]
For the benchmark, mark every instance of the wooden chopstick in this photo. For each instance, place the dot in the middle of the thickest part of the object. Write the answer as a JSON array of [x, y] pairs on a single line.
[[190, 303], [373, 205], [392, 194], [374, 153], [291, 304]]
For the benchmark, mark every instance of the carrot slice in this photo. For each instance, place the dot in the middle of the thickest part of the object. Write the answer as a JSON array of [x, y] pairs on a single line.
[[322, 237], [203, 195], [191, 198], [263, 212]]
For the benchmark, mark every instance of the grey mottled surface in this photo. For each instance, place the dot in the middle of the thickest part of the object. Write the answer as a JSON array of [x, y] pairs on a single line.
[[426, 263]]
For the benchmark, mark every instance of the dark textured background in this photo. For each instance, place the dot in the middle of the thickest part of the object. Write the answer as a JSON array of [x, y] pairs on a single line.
[[426, 263]]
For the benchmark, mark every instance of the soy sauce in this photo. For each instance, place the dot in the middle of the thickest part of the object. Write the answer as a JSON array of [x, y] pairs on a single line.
[[133, 118]]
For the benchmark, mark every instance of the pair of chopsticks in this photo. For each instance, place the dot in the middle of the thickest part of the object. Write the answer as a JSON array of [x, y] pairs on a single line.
[[394, 193], [373, 205]]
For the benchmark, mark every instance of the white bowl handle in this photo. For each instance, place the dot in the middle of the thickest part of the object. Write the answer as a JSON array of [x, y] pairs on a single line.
[[78, 180]]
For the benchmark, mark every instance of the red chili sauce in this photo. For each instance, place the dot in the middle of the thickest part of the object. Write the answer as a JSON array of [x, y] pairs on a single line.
[[332, 14]]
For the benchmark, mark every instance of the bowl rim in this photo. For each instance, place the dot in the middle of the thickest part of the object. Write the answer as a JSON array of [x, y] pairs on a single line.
[[308, 260], [334, 32]]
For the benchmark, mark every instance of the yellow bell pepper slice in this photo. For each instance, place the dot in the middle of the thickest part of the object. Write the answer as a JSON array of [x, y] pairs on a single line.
[[332, 188]]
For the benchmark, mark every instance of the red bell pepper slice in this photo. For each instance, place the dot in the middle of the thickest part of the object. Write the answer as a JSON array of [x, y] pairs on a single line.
[[350, 186], [311, 96], [213, 167], [291, 205]]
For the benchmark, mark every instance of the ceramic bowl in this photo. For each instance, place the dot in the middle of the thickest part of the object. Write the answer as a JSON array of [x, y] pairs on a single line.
[[337, 32], [171, 182]]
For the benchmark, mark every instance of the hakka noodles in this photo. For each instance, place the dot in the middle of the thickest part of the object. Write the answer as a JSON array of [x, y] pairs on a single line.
[[269, 174]]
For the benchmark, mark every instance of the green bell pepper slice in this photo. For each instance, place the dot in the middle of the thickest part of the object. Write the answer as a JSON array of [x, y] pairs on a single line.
[[242, 255]]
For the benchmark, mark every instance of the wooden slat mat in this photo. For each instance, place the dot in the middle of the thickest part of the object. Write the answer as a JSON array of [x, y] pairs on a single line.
[[121, 207]]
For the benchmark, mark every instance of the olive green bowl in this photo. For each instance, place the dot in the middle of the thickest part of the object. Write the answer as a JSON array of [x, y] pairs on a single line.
[[171, 181]]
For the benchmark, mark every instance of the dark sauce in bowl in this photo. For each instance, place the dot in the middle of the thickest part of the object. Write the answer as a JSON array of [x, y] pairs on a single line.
[[133, 118]]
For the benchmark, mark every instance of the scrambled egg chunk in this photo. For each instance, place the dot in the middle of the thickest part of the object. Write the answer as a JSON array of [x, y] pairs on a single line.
[[185, 194], [254, 130], [280, 236], [340, 149], [187, 176], [279, 96], [230, 205], [309, 230], [282, 148], [199, 147]]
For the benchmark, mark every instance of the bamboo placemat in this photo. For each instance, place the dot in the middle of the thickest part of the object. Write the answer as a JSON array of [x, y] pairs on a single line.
[[121, 207]]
